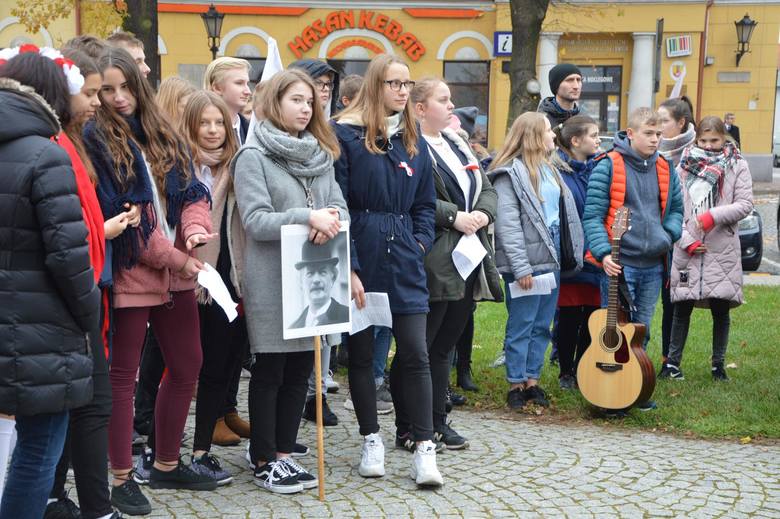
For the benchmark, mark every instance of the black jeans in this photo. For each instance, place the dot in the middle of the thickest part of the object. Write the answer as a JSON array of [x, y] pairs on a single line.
[[465, 343], [150, 373], [410, 376], [86, 445], [666, 318], [444, 326], [277, 394], [721, 322], [573, 336], [224, 345]]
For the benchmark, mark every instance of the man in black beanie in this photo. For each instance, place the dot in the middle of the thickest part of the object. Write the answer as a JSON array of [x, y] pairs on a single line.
[[566, 86]]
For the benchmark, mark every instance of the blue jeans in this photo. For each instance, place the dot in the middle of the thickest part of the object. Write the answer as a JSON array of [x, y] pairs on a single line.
[[382, 338], [38, 449], [644, 285], [528, 327]]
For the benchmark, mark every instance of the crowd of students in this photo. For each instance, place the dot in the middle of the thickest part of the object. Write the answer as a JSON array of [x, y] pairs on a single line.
[[115, 197]]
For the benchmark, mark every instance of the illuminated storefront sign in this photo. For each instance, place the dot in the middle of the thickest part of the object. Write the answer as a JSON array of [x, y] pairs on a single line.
[[369, 20]]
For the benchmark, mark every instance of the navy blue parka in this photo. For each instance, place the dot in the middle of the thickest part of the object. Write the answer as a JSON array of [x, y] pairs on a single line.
[[392, 203]]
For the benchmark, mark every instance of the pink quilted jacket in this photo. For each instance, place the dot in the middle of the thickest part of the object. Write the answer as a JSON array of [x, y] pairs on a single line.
[[718, 272], [155, 276]]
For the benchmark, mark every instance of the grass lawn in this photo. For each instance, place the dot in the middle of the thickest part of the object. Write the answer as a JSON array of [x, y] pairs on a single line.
[[746, 406]]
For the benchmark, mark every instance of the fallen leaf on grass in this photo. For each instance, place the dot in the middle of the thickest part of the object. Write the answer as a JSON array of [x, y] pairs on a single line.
[[745, 440], [674, 394], [732, 365], [743, 344]]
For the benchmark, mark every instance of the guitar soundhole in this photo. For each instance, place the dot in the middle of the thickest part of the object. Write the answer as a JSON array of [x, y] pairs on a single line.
[[611, 339]]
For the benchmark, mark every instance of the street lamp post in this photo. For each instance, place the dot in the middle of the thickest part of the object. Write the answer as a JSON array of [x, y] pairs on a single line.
[[212, 19], [745, 29]]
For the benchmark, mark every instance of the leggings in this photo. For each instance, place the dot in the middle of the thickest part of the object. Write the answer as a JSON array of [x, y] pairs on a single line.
[[720, 330], [410, 376], [177, 330], [573, 336]]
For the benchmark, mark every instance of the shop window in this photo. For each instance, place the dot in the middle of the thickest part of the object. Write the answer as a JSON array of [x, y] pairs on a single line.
[[469, 83], [345, 67], [256, 71], [601, 94]]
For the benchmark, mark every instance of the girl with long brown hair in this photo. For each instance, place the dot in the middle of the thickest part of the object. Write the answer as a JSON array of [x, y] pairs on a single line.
[[283, 175], [385, 174], [140, 159]]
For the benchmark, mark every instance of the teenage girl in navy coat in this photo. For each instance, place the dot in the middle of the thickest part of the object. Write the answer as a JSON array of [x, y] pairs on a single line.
[[386, 177]]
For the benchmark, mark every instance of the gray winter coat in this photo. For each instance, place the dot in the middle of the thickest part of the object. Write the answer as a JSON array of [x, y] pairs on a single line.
[[718, 272], [523, 242], [269, 196]]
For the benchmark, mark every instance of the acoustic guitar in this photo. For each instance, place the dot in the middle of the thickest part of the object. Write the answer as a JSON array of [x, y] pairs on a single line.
[[615, 372]]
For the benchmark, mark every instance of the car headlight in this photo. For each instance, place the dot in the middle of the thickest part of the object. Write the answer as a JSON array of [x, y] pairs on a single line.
[[749, 223]]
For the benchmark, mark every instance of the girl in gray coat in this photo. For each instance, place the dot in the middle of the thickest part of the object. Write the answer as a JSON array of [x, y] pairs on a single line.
[[283, 175], [533, 205], [707, 265]]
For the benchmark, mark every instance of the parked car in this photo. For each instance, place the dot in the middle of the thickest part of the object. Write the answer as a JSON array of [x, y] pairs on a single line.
[[751, 241], [607, 142]]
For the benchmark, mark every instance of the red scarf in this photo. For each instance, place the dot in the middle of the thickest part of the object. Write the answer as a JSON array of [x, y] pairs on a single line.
[[93, 216]]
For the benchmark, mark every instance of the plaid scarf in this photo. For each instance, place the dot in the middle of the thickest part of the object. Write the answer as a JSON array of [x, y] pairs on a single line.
[[704, 171]]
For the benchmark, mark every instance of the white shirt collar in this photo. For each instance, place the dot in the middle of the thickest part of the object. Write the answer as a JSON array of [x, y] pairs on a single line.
[[311, 317]]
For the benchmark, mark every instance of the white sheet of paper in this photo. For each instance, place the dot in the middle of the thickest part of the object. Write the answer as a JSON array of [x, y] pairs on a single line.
[[543, 284], [210, 279], [468, 254], [376, 312]]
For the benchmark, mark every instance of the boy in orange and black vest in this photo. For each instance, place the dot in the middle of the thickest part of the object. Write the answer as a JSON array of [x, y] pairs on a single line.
[[635, 175]]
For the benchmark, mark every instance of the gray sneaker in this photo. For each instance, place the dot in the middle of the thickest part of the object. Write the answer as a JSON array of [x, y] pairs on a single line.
[[384, 400], [208, 465], [143, 467]]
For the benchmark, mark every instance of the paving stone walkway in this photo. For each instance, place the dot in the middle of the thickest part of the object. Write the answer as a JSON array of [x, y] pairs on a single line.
[[512, 469]]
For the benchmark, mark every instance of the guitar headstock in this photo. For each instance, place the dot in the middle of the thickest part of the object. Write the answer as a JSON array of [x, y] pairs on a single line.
[[622, 222]]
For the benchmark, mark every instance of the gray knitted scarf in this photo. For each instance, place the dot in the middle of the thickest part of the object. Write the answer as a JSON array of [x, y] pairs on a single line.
[[302, 156]]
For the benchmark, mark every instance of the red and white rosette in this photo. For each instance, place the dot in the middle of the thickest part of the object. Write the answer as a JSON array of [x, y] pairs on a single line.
[[72, 73]]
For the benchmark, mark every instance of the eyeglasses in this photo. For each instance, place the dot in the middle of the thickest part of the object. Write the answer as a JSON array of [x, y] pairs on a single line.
[[395, 85], [323, 85]]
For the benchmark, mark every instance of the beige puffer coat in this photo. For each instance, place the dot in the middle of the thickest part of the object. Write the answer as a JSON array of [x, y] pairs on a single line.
[[718, 272]]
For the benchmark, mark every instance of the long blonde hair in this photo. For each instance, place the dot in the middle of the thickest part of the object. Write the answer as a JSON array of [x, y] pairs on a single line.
[[369, 107], [525, 141], [170, 92], [318, 125]]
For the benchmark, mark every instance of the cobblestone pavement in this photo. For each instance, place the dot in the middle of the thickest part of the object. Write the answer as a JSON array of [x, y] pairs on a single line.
[[512, 469]]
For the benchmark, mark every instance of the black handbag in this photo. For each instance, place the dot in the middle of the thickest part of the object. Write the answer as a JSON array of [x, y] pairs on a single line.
[[568, 260]]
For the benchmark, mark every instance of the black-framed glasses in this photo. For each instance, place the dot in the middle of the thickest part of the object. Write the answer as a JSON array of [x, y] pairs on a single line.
[[395, 85], [323, 85]]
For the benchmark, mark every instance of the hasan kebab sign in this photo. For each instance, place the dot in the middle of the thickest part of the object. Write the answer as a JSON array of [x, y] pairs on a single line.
[[370, 20]]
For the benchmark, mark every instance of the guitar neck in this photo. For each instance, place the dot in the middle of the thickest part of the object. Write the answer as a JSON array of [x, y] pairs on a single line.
[[612, 303]]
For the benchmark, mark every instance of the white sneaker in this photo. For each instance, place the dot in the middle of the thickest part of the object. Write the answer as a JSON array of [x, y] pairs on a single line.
[[424, 470], [372, 459], [331, 385]]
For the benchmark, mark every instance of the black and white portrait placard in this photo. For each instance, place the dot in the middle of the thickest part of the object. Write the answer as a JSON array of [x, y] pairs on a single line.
[[315, 283]]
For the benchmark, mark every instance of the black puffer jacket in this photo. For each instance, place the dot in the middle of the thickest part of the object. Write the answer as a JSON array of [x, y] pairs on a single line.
[[48, 298]]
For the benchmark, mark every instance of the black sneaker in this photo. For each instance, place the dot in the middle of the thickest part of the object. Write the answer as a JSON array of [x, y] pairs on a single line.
[[457, 399], [404, 441], [276, 477], [63, 508], [515, 398], [329, 418], [719, 374], [567, 382], [305, 478], [182, 477], [671, 371], [536, 395], [300, 450], [451, 439], [128, 499]]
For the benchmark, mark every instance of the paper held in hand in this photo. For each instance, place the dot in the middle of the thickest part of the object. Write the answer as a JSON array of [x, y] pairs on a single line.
[[543, 284], [375, 313], [210, 279], [468, 254]]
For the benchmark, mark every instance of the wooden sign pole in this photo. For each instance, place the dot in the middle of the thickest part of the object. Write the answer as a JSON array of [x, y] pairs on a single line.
[[318, 401]]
